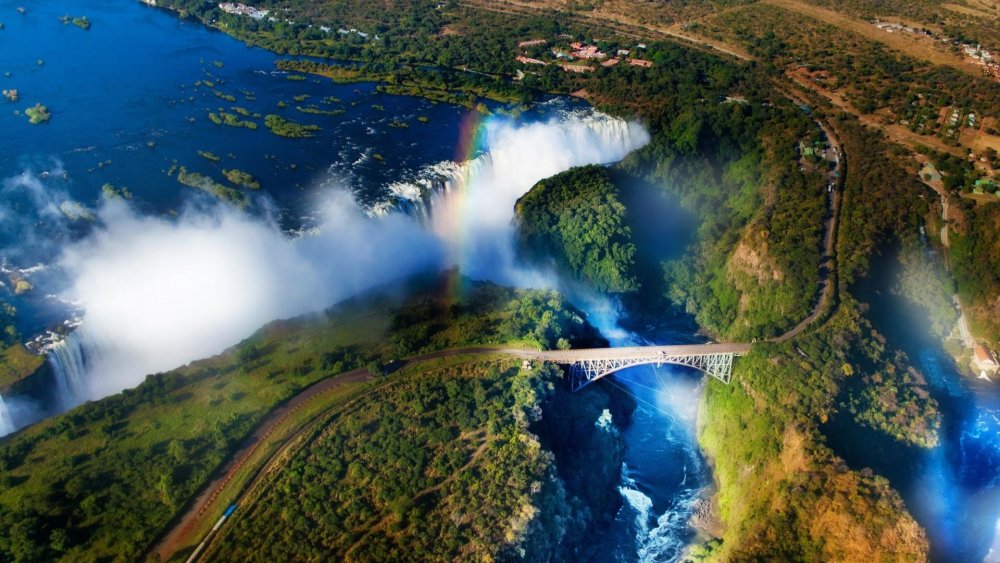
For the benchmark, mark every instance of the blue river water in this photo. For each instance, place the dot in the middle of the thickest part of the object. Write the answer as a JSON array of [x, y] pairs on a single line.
[[664, 472]]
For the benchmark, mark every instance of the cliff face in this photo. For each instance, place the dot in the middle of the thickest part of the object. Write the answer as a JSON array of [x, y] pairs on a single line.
[[20, 370], [581, 431], [783, 494]]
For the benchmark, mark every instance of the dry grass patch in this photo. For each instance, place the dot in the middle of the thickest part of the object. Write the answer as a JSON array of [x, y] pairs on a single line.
[[918, 47]]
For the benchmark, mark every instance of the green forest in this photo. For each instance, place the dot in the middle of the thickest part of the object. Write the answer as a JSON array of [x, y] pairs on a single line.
[[438, 466], [725, 144], [975, 254], [576, 219]]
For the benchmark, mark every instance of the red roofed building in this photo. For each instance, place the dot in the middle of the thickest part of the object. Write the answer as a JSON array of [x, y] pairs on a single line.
[[984, 360], [640, 62], [530, 61]]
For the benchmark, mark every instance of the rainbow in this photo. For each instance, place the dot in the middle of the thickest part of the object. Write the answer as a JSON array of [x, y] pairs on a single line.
[[454, 223], [471, 136]]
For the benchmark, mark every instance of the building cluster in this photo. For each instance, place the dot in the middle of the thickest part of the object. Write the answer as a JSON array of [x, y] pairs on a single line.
[[984, 58], [975, 53], [243, 10], [579, 51], [582, 51], [890, 27], [360, 34]]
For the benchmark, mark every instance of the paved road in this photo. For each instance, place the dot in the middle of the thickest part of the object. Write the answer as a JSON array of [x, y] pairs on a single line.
[[829, 267]]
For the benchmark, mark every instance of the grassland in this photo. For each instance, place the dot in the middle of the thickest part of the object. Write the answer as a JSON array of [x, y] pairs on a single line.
[[17, 363]]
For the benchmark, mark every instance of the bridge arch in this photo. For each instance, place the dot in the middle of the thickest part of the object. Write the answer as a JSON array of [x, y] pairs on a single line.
[[585, 372]]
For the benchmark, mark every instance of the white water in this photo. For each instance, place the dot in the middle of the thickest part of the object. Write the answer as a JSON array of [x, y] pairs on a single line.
[[469, 209], [470, 206], [69, 362], [662, 435], [6, 419]]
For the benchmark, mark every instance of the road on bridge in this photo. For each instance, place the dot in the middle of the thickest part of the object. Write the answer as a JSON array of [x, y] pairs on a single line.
[[626, 352]]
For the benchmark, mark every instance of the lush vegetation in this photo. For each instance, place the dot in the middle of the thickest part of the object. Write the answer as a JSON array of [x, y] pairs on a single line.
[[461, 88], [241, 178], [777, 475], [16, 363], [231, 119], [438, 466], [925, 283], [8, 327], [871, 75], [576, 219], [783, 495], [287, 128], [754, 269], [109, 191], [208, 185], [975, 254], [38, 114], [82, 21], [724, 141]]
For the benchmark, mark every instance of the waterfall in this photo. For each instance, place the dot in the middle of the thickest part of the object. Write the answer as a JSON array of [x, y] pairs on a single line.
[[70, 360], [158, 294], [516, 156], [469, 206], [6, 419]]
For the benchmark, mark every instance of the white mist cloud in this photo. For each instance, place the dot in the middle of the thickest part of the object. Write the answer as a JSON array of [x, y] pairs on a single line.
[[159, 293]]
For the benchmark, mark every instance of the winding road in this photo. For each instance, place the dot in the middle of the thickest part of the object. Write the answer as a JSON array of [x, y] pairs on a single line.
[[828, 267]]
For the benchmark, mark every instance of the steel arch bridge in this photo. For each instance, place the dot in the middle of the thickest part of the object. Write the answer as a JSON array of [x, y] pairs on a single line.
[[589, 365]]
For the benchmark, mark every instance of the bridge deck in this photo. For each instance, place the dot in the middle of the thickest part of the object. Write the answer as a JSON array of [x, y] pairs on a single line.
[[585, 354]]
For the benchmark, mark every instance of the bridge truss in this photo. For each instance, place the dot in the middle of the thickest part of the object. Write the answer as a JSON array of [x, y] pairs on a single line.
[[718, 365]]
